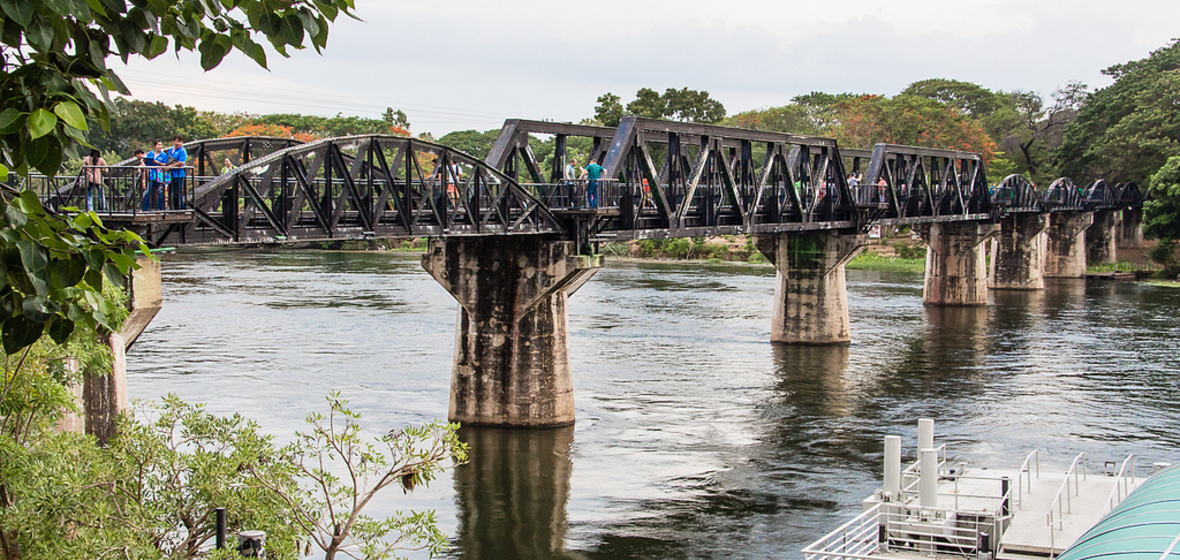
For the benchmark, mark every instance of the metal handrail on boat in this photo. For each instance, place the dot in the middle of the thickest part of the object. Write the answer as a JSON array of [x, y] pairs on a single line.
[[857, 539], [1122, 484], [912, 473], [1025, 476], [1055, 507]]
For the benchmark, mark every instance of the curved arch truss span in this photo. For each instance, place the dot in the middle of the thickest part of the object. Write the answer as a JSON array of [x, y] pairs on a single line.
[[364, 186]]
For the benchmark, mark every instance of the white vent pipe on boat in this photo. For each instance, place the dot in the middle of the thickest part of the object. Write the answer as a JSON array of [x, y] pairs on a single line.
[[928, 484], [893, 466], [925, 433]]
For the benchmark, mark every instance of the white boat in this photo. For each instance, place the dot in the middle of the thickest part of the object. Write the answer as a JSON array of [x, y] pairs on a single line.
[[937, 509]]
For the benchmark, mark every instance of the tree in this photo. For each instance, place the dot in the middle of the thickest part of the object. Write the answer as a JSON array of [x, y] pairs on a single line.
[[396, 118], [1161, 212], [342, 471], [910, 120], [682, 104], [53, 59], [609, 110], [137, 124], [970, 99], [1128, 130], [794, 119], [275, 130], [471, 142]]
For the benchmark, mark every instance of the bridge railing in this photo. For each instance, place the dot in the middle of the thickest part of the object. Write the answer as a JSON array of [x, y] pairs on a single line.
[[115, 190]]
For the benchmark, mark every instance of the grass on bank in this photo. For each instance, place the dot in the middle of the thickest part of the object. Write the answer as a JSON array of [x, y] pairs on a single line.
[[872, 261]]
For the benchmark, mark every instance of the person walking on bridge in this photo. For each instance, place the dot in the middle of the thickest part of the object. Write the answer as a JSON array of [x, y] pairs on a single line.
[[593, 172]]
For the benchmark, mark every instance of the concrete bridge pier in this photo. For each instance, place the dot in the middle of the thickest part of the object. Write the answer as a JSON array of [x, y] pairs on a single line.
[[1066, 255], [1130, 232], [511, 364], [811, 299], [1101, 245], [956, 262], [1018, 262]]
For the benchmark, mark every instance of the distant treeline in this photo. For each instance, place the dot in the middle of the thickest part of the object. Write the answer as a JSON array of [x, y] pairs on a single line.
[[1122, 132]]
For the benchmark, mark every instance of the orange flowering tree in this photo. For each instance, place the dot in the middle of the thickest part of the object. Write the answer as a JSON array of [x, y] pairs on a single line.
[[906, 119]]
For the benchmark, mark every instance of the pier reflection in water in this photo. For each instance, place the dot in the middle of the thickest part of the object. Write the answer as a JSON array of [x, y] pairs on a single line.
[[696, 438], [511, 497]]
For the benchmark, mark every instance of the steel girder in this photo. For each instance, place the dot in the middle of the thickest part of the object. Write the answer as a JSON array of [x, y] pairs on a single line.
[[364, 186]]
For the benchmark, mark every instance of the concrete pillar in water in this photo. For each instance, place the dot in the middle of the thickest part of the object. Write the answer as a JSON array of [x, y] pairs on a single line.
[[956, 262], [512, 495], [511, 364], [1066, 255], [101, 398], [811, 300], [1018, 262], [1130, 232], [1101, 246]]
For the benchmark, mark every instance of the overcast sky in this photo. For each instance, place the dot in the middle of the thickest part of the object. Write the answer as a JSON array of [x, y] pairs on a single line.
[[462, 64]]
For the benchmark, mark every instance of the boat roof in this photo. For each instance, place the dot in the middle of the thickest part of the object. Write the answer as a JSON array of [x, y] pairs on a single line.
[[1145, 526]]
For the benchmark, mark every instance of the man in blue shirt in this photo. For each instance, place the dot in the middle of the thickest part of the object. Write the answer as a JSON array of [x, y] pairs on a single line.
[[594, 173], [177, 159], [153, 199]]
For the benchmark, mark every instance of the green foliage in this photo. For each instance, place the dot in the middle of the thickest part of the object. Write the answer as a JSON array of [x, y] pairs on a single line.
[[609, 110], [137, 124], [340, 471], [971, 99], [1164, 253], [53, 272], [999, 168], [1126, 131], [872, 261], [326, 127], [1161, 213], [794, 119], [55, 74], [682, 104], [907, 252], [471, 142], [151, 493]]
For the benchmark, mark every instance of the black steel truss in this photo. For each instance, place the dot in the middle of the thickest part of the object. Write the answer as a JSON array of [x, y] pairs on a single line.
[[364, 186], [663, 179]]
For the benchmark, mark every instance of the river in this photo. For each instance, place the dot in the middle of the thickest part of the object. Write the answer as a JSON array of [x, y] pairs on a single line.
[[695, 436]]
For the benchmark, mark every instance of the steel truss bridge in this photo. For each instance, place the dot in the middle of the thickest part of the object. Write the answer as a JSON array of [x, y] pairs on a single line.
[[663, 179]]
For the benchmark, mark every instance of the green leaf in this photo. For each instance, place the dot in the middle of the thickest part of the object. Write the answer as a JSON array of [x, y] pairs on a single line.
[[3, 172], [41, 122], [60, 329], [290, 30], [212, 52], [69, 112], [11, 121], [20, 333], [32, 256], [51, 162], [21, 11]]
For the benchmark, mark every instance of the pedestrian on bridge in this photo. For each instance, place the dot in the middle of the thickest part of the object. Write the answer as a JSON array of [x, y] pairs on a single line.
[[570, 176], [593, 172], [156, 159], [177, 160], [93, 166]]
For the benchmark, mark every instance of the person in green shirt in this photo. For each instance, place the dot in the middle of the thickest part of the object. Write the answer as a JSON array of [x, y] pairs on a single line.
[[593, 172]]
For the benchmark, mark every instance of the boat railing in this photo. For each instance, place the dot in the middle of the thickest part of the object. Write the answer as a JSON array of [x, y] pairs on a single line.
[[1062, 503], [859, 538], [893, 527], [913, 473], [1122, 484], [1029, 469]]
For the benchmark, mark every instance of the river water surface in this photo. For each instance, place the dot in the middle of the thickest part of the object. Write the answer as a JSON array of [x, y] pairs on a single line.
[[696, 437]]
